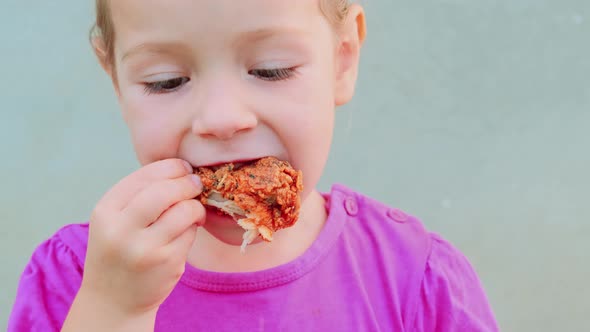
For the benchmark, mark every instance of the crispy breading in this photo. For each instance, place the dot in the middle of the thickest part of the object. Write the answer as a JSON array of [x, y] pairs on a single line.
[[263, 197]]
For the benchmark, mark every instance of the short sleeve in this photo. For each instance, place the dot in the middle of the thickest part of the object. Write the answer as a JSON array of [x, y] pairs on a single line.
[[451, 295], [46, 289]]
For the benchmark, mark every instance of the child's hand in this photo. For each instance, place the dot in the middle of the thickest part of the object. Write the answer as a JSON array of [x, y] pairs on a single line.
[[140, 235]]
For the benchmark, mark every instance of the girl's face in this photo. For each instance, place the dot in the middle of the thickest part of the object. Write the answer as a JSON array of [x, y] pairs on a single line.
[[216, 81]]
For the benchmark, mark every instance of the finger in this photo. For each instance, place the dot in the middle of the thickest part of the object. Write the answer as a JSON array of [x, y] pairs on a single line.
[[176, 220], [153, 201], [181, 246], [124, 191]]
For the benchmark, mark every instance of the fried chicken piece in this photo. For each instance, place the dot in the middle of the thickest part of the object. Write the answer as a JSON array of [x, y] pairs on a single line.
[[263, 196]]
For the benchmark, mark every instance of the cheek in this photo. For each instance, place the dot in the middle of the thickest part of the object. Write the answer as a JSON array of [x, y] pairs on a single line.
[[154, 133], [310, 152], [306, 129]]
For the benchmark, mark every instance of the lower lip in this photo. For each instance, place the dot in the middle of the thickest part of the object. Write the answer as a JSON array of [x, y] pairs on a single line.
[[213, 215]]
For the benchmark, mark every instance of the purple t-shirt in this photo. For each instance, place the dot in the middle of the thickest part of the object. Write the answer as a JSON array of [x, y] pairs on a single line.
[[372, 268]]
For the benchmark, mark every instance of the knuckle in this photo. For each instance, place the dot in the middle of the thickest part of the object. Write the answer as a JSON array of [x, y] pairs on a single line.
[[189, 187], [164, 169], [156, 196], [183, 188], [190, 209], [198, 210], [138, 256], [99, 214], [111, 237], [185, 208], [111, 234], [161, 194], [174, 167]]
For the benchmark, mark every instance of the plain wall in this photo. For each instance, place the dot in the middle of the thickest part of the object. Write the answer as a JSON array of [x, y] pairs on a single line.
[[472, 115]]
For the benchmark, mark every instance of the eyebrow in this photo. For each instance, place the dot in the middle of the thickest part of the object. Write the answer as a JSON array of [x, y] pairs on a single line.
[[156, 48], [251, 36], [266, 33]]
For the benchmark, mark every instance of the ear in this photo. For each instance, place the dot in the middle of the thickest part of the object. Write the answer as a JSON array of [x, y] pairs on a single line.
[[99, 47], [350, 40]]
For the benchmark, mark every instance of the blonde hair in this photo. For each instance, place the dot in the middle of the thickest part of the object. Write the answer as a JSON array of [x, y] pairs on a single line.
[[103, 29]]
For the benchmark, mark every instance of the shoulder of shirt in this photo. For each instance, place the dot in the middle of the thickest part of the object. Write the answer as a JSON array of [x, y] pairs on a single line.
[[404, 241], [374, 216], [407, 229], [394, 238], [393, 242], [75, 238]]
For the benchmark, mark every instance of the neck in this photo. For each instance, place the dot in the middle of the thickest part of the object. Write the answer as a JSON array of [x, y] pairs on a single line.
[[210, 254]]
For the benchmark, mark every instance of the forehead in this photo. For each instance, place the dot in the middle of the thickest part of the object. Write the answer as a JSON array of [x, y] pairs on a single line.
[[205, 18]]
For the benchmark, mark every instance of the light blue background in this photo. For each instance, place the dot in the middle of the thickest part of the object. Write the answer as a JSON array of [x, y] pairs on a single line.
[[472, 115]]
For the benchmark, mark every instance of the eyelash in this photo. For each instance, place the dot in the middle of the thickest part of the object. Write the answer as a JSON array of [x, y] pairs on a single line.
[[273, 75], [171, 85], [165, 86]]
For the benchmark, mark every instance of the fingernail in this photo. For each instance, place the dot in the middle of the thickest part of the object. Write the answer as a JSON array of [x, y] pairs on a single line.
[[197, 180], [188, 167]]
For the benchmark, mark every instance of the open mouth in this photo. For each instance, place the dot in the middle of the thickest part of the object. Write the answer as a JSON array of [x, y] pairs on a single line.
[[222, 204], [234, 165], [261, 195]]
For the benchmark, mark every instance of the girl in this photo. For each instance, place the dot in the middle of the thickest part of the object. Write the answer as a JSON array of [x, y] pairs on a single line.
[[205, 82]]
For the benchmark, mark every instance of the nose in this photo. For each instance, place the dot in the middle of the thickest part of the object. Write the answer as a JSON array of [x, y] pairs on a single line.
[[221, 113]]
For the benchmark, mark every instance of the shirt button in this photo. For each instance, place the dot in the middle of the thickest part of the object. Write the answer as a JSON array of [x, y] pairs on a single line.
[[351, 206], [397, 215]]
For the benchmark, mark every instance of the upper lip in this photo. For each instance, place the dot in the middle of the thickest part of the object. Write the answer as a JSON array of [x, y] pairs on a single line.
[[232, 161]]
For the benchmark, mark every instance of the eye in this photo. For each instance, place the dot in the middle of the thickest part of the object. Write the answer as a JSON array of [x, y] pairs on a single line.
[[165, 86], [278, 74]]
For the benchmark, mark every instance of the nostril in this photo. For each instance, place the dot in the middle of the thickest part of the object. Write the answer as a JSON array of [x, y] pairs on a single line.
[[221, 135], [224, 126]]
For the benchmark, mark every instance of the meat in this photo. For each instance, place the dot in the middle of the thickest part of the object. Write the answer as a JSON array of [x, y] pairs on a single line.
[[263, 196]]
